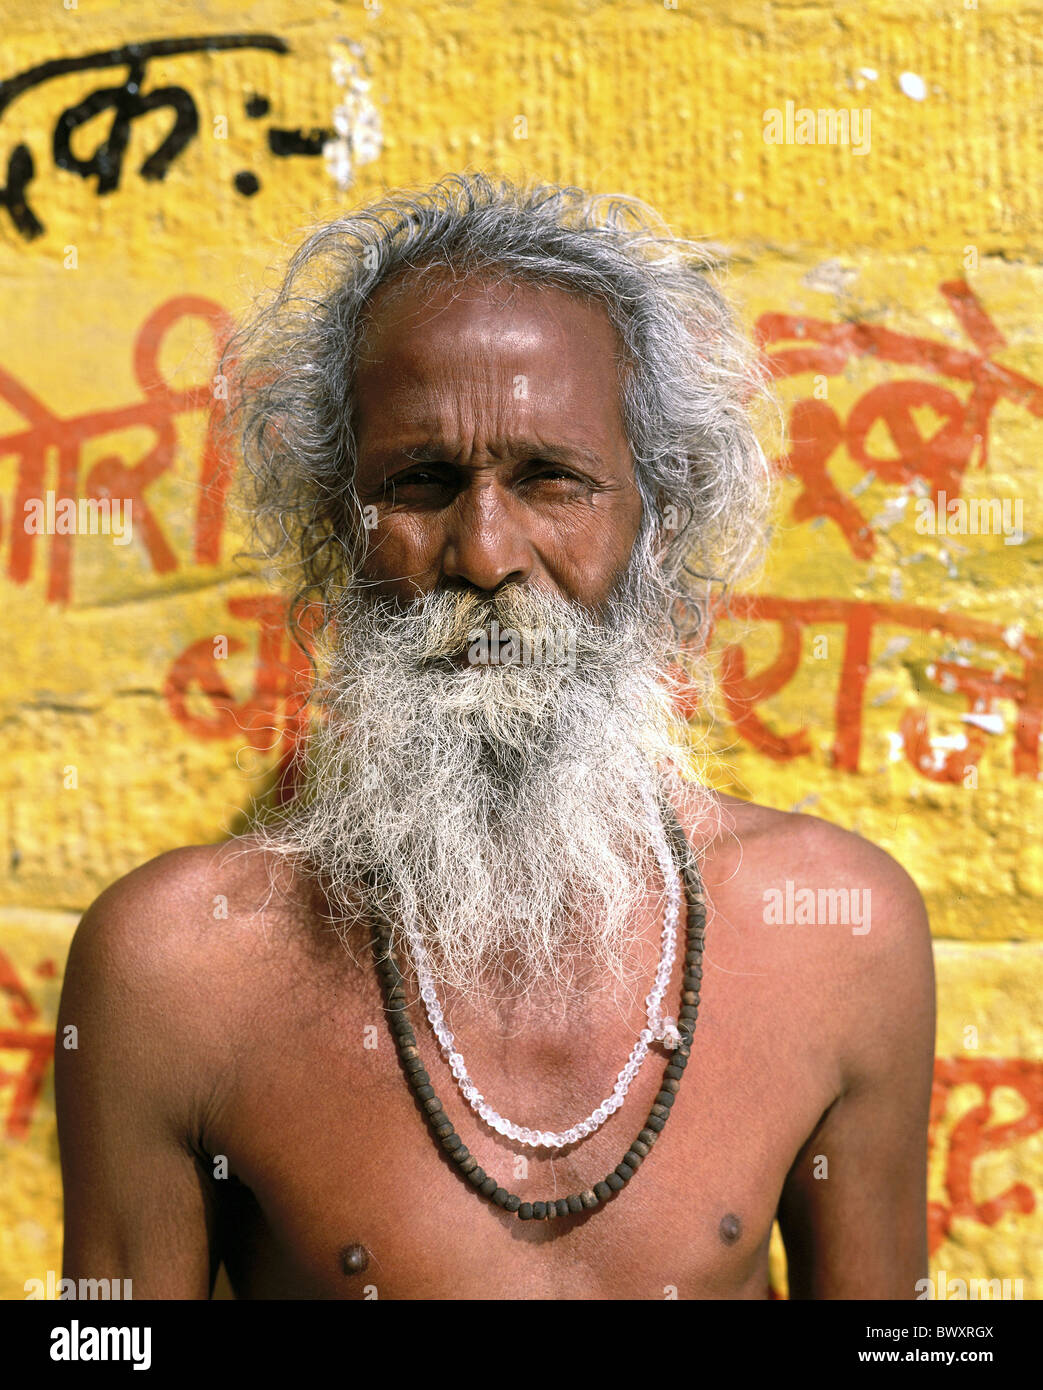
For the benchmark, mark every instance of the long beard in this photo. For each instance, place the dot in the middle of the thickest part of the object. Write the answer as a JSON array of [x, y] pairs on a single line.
[[488, 788]]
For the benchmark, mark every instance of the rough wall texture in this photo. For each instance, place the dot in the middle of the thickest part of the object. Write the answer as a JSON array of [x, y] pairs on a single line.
[[884, 674]]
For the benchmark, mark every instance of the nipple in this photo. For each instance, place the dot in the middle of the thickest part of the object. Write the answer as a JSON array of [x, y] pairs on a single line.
[[354, 1259], [730, 1228]]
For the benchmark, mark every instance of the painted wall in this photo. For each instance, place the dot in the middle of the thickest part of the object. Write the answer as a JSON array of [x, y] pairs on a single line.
[[888, 677]]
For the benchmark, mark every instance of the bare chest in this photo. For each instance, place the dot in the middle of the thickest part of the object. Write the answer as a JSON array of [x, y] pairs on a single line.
[[339, 1189]]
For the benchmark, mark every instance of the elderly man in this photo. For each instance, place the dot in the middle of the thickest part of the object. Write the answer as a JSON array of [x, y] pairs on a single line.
[[496, 1006]]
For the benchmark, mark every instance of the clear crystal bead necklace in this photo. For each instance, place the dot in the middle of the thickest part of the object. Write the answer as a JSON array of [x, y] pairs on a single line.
[[659, 1028], [598, 1193]]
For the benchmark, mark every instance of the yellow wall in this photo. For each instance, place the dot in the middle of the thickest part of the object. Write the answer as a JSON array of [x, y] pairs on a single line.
[[911, 274]]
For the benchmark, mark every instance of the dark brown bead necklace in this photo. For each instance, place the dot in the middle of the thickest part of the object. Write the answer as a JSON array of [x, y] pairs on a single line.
[[441, 1125]]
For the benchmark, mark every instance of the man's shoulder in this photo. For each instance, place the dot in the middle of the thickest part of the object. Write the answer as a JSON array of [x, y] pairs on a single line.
[[163, 908], [195, 930], [824, 884], [180, 971], [833, 923]]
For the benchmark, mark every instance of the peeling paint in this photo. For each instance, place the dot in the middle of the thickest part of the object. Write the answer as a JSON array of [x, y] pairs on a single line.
[[356, 120]]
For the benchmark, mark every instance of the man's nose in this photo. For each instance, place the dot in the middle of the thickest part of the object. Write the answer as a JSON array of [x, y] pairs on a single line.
[[486, 545]]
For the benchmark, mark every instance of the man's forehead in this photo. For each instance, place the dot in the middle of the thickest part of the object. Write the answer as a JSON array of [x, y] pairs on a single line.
[[517, 359], [413, 315], [439, 445]]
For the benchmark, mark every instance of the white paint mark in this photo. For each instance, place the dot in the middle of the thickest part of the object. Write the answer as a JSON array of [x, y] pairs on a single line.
[[360, 137], [939, 746], [870, 74], [865, 481], [895, 647], [831, 277], [884, 697], [913, 85], [954, 741], [893, 511], [991, 723]]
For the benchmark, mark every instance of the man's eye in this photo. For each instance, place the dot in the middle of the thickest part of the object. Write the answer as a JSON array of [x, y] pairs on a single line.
[[422, 477], [552, 471]]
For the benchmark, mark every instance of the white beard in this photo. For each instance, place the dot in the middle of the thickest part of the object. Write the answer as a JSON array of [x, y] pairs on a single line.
[[500, 810]]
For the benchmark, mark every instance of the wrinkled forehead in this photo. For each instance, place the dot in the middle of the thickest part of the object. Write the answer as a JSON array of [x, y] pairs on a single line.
[[433, 341], [437, 297]]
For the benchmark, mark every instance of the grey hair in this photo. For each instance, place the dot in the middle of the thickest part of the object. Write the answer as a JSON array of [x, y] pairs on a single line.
[[690, 383]]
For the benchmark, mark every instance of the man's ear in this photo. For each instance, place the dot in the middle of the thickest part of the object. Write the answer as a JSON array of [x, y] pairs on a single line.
[[666, 527]]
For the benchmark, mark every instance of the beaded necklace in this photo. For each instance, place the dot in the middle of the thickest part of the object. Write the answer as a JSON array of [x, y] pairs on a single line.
[[660, 1028], [442, 1127]]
